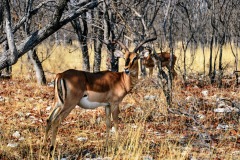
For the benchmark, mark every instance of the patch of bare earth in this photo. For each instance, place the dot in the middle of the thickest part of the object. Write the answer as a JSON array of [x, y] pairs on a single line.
[[203, 123]]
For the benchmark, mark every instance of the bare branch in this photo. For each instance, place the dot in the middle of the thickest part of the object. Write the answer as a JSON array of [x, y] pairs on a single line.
[[25, 17], [40, 35]]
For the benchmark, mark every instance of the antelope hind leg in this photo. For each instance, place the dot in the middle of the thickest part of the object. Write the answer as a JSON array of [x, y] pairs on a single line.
[[52, 116], [115, 113], [57, 121]]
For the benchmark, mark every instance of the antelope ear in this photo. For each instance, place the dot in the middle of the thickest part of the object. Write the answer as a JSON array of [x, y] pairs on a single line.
[[118, 53], [141, 54]]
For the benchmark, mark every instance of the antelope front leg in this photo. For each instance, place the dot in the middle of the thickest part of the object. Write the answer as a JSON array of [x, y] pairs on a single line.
[[150, 72], [108, 121], [115, 113]]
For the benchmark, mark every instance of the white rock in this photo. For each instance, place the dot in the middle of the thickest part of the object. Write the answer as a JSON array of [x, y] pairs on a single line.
[[13, 145], [222, 126], [77, 107], [201, 116], [28, 114], [98, 120], [113, 130], [205, 93], [21, 139], [149, 97], [82, 139], [21, 114], [128, 105], [221, 104], [190, 98], [134, 126], [146, 97], [48, 108], [226, 109], [2, 98], [51, 84], [16, 134], [138, 109], [152, 97], [222, 110], [147, 157], [32, 117]]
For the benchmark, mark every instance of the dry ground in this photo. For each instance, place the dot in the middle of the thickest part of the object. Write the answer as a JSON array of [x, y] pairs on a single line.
[[192, 129]]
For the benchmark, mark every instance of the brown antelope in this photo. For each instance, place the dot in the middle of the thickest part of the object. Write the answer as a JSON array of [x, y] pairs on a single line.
[[92, 90], [149, 61]]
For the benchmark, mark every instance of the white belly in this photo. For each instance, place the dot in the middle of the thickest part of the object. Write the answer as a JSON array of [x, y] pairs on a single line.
[[85, 103]]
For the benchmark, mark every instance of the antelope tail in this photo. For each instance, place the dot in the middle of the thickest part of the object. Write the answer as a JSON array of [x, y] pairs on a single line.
[[60, 89], [60, 96]]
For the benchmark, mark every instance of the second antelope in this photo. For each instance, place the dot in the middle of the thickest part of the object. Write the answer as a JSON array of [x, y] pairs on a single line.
[[91, 90], [149, 61]]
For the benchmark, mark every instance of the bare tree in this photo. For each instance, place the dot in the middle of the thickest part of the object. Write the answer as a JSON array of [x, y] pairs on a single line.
[[187, 33], [110, 34], [11, 56], [98, 30], [82, 33], [32, 55]]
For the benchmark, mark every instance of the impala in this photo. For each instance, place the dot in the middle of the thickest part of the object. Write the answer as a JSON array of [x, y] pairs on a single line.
[[149, 61], [92, 90]]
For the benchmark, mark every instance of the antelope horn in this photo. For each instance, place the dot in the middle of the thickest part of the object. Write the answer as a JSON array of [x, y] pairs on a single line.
[[143, 42], [122, 45]]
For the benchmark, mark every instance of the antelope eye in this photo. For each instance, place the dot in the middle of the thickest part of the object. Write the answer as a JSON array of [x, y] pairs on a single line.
[[135, 58]]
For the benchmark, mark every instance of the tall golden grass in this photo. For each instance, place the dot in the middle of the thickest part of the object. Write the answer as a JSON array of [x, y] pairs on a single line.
[[63, 57]]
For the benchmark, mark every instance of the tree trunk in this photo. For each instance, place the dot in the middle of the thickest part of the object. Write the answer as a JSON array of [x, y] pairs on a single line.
[[184, 66], [6, 73], [82, 39], [220, 74], [97, 43], [111, 24], [40, 76], [97, 53], [169, 99], [236, 72], [109, 35], [204, 61], [142, 67], [210, 73]]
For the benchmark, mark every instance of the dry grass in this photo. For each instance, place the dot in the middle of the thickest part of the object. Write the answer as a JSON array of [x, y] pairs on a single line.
[[147, 131], [63, 57]]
